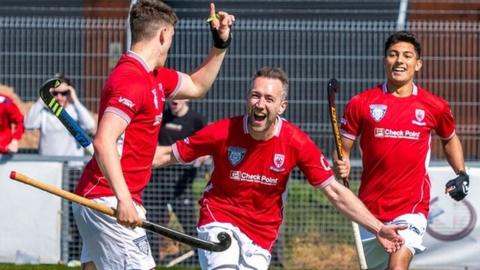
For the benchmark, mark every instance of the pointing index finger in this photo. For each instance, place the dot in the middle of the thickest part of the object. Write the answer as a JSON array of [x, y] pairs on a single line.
[[212, 10]]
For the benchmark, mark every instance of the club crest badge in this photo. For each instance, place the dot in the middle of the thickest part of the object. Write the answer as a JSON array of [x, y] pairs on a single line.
[[419, 117], [278, 161], [377, 111], [419, 114], [142, 245], [236, 155]]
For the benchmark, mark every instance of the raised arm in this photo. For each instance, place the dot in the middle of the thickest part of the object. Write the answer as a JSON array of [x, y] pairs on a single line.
[[201, 79], [351, 207], [85, 119], [33, 117]]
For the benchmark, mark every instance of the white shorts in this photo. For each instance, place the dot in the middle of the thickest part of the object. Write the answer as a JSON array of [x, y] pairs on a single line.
[[110, 245], [377, 257], [242, 254]]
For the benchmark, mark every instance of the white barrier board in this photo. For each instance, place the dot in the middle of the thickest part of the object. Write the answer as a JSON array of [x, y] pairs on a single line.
[[453, 234], [30, 227]]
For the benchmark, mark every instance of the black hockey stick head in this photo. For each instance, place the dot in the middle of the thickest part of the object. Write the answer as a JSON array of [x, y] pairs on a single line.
[[47, 96], [224, 239], [333, 87], [70, 124]]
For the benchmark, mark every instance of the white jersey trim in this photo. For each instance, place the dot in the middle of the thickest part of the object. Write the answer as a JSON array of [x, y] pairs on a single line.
[[414, 90], [176, 153], [178, 86], [449, 137], [139, 58], [325, 183], [119, 113], [347, 135]]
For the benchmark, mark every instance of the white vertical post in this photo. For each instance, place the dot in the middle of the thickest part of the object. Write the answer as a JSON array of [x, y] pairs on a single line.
[[402, 15], [129, 34]]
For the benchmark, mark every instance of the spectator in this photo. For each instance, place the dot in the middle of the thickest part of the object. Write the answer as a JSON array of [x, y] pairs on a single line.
[[11, 125], [173, 185], [55, 140]]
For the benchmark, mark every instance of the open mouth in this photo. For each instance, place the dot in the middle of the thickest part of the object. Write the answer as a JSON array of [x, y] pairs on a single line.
[[399, 69], [259, 117]]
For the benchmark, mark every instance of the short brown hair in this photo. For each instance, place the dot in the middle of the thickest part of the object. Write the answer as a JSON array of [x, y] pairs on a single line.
[[147, 16], [273, 73]]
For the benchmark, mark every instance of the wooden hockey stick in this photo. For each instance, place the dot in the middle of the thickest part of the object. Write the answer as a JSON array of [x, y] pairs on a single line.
[[83, 139], [333, 87], [223, 238]]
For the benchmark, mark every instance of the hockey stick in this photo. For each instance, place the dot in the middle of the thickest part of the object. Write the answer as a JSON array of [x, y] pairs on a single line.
[[72, 126], [333, 87], [81, 137], [224, 238]]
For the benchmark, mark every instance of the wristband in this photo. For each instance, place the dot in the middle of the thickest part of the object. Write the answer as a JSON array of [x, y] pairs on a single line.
[[217, 41]]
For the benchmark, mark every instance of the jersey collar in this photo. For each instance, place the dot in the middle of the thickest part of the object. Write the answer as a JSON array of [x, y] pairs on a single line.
[[278, 125], [414, 92], [139, 59]]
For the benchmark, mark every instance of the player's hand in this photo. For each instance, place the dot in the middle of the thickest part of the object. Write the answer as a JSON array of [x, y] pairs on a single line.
[[457, 188], [341, 167], [200, 161], [72, 97], [127, 214], [389, 238], [220, 26], [12, 147]]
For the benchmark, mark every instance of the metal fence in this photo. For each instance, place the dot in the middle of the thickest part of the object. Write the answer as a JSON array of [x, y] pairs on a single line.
[[32, 49]]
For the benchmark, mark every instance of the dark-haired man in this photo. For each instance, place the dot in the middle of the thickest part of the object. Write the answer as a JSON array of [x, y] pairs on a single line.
[[394, 122]]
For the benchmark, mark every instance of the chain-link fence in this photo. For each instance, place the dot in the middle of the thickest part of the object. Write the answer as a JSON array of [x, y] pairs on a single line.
[[313, 236], [32, 49]]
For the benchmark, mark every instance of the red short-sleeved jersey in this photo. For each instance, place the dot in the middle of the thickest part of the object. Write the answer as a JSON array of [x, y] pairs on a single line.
[[9, 114], [249, 179], [137, 95], [395, 138]]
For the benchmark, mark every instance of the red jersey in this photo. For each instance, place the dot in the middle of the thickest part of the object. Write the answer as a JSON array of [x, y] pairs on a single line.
[[395, 137], [137, 95], [249, 179], [9, 114]]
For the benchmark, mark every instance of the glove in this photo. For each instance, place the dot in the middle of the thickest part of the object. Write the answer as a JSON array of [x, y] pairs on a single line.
[[458, 187]]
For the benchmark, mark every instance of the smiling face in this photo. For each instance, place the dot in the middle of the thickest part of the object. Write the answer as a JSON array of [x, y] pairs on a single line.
[[401, 62], [265, 101]]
